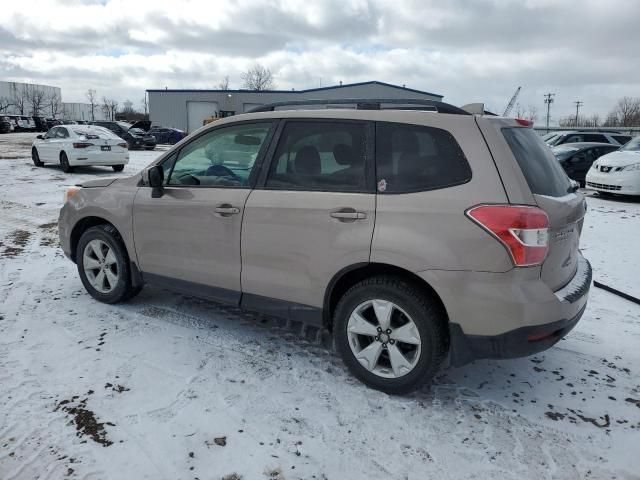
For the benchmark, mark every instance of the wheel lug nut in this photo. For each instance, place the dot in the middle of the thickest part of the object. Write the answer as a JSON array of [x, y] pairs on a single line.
[[377, 338], [379, 330], [384, 345], [388, 331], [392, 341]]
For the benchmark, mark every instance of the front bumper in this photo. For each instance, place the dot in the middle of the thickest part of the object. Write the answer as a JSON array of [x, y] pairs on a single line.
[[623, 183], [513, 317]]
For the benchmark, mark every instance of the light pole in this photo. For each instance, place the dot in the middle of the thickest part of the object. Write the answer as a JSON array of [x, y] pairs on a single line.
[[548, 99]]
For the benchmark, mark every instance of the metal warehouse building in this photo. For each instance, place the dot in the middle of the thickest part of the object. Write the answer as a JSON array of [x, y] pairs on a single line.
[[186, 109]]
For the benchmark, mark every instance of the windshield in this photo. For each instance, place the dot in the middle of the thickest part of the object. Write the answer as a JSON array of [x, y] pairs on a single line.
[[549, 136], [632, 146]]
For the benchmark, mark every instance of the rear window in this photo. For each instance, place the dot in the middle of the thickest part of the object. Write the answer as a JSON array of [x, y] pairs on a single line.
[[543, 173]]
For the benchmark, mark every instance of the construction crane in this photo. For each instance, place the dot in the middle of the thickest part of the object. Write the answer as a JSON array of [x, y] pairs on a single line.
[[512, 102]]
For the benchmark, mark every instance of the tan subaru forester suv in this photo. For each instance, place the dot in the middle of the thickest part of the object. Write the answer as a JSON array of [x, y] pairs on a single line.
[[418, 233]]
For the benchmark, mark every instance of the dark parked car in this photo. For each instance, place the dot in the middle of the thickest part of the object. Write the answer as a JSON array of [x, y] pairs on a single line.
[[169, 136], [554, 139], [576, 158], [5, 125], [41, 124], [136, 138], [53, 122]]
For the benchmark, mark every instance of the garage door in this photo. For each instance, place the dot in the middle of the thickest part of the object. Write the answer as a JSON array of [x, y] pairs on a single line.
[[197, 112], [248, 106]]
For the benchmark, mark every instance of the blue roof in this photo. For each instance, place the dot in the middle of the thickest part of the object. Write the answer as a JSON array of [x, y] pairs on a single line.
[[333, 87]]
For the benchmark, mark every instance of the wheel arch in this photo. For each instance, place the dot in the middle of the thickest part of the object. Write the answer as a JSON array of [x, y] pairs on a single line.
[[84, 224], [349, 276]]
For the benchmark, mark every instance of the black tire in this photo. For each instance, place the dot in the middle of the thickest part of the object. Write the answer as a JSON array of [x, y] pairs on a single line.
[[123, 290], [35, 157], [64, 163], [117, 168], [425, 312]]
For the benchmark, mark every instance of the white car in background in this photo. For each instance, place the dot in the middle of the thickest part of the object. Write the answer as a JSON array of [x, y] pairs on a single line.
[[80, 145], [617, 172]]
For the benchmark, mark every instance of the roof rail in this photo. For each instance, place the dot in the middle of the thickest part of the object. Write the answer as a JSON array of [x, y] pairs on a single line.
[[368, 104]]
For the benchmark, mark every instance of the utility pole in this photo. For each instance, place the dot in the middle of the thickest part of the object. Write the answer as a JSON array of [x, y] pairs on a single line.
[[548, 99], [578, 103]]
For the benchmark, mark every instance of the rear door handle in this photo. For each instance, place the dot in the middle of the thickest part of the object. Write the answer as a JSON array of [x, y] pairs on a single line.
[[226, 210], [348, 214]]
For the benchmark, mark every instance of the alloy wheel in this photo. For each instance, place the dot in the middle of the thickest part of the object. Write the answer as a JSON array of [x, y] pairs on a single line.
[[100, 266], [384, 338]]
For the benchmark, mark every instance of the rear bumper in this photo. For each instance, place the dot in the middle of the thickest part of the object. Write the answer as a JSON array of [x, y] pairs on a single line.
[[512, 314], [521, 342]]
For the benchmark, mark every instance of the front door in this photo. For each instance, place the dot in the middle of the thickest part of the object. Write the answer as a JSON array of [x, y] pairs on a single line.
[[312, 216], [189, 238]]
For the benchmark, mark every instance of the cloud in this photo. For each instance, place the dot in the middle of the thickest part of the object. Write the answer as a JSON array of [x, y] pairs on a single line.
[[478, 50]]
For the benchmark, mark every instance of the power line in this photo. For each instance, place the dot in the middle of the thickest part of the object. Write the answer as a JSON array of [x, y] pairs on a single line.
[[548, 99]]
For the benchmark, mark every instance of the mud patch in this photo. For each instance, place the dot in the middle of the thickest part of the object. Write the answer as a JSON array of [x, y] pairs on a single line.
[[49, 235], [85, 420], [16, 241]]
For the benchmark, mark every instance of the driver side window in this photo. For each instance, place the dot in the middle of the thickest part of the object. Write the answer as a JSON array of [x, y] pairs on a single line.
[[223, 157]]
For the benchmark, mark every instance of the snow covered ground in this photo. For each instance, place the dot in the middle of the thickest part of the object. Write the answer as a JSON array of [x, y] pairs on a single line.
[[169, 387]]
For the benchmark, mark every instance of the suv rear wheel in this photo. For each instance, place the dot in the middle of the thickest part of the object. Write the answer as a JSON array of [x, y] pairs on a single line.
[[390, 334], [103, 265]]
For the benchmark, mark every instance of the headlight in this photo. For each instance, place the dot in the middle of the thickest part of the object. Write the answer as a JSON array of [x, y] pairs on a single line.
[[635, 166], [70, 192]]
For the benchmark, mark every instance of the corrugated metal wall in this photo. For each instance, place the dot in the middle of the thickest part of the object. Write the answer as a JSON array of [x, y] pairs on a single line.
[[168, 108]]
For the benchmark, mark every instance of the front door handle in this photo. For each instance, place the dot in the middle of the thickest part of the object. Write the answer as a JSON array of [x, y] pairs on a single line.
[[347, 214], [226, 210]]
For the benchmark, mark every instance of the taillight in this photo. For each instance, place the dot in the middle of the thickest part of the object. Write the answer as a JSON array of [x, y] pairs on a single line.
[[525, 123], [82, 145], [523, 230], [123, 145]]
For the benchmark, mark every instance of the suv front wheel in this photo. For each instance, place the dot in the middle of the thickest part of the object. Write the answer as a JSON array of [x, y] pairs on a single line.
[[103, 265], [390, 334]]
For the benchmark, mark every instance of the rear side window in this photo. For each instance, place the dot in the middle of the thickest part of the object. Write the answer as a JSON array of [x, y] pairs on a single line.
[[412, 158], [621, 139], [322, 156], [540, 168], [594, 137]]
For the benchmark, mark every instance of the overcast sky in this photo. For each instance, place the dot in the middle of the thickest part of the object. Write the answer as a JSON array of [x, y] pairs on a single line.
[[466, 50]]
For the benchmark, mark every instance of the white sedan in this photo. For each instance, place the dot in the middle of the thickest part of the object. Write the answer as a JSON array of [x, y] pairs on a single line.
[[80, 145], [617, 172]]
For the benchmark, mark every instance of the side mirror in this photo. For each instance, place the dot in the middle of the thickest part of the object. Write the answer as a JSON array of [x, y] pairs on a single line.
[[156, 179], [40, 137]]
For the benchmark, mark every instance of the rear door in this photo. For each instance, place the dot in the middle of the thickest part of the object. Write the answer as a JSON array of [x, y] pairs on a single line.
[[189, 238], [551, 191], [313, 215]]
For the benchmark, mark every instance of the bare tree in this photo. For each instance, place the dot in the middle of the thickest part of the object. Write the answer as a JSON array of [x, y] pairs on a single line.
[[19, 98], [5, 103], [529, 113], [626, 113], [54, 104], [92, 96], [145, 105], [224, 84], [127, 107], [258, 78], [35, 99], [109, 107]]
